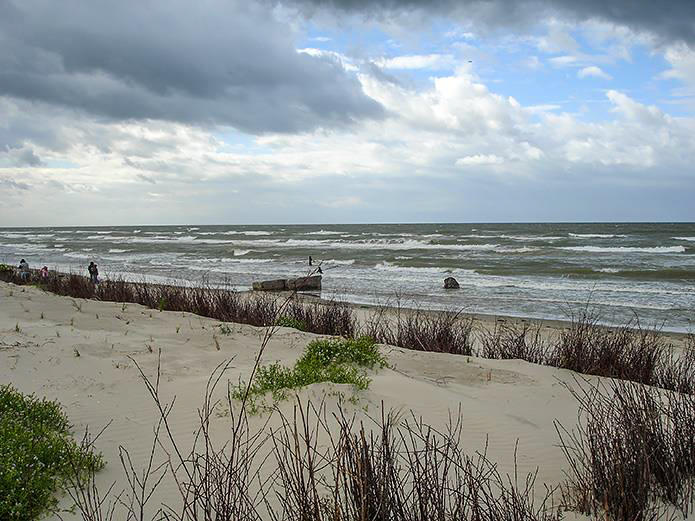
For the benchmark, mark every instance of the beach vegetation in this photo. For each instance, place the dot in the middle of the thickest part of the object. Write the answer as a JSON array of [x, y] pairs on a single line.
[[224, 329], [285, 321], [631, 455], [338, 361], [326, 465], [37, 455], [509, 340], [628, 352], [422, 330], [6, 268]]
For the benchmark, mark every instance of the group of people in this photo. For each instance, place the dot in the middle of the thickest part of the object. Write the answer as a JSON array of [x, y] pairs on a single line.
[[25, 272]]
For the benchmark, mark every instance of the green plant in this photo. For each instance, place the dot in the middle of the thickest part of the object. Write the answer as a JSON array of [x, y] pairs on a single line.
[[291, 322], [6, 268], [224, 329], [37, 455], [340, 361], [161, 305]]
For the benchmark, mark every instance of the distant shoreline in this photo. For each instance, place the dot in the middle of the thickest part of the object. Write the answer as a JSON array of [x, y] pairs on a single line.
[[364, 311]]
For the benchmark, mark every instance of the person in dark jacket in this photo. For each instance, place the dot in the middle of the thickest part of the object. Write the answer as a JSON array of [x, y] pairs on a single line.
[[93, 273], [24, 271]]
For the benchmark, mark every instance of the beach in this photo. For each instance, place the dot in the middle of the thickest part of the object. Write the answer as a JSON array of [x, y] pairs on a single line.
[[83, 353]]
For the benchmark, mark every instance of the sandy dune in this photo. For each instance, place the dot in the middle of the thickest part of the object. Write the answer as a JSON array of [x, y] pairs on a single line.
[[504, 402]]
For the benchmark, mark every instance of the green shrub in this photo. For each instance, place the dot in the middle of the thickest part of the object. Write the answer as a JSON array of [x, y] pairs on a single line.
[[37, 453], [224, 329], [5, 268], [340, 361], [291, 322]]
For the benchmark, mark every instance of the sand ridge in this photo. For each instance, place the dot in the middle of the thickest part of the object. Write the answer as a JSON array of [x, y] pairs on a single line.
[[79, 353]]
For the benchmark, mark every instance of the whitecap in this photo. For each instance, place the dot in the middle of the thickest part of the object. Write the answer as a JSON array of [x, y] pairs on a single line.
[[323, 232], [626, 249], [596, 235], [339, 262]]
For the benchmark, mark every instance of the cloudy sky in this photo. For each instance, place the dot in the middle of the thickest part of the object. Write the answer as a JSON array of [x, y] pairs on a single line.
[[213, 112]]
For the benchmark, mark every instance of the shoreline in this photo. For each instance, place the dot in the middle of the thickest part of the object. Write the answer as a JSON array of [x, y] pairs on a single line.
[[486, 319], [363, 310]]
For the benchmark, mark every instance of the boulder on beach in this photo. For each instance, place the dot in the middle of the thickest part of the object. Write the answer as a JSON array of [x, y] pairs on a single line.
[[451, 283]]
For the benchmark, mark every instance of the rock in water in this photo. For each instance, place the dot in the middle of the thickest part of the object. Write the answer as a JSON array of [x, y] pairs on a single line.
[[451, 283]]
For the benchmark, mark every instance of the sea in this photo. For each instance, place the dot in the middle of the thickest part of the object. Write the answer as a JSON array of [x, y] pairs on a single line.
[[623, 271]]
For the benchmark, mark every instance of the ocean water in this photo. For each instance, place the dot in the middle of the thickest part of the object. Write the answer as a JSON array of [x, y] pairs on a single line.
[[535, 270]]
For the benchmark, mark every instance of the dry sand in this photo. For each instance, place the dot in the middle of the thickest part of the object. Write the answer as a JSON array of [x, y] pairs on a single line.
[[503, 402]]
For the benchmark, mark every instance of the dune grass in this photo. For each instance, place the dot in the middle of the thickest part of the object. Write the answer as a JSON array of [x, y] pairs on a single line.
[[339, 361], [628, 352], [631, 456], [37, 455], [285, 321]]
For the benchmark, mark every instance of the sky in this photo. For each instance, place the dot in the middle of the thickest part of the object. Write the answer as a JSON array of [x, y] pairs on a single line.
[[355, 111]]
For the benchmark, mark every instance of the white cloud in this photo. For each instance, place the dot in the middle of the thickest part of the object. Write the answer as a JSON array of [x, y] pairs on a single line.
[[418, 61], [480, 159], [563, 61], [682, 61], [594, 72], [432, 132]]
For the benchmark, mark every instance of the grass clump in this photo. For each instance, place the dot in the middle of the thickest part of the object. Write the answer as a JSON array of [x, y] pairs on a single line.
[[340, 361], [37, 455], [291, 322]]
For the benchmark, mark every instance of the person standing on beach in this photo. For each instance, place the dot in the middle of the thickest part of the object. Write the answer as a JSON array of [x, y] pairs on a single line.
[[93, 272], [23, 269]]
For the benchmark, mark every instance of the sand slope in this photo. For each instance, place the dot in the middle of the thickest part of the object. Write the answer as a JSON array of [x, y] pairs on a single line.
[[504, 402]]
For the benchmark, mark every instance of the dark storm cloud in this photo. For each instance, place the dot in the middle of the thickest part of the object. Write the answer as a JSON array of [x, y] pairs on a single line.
[[214, 62], [668, 20], [27, 157]]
